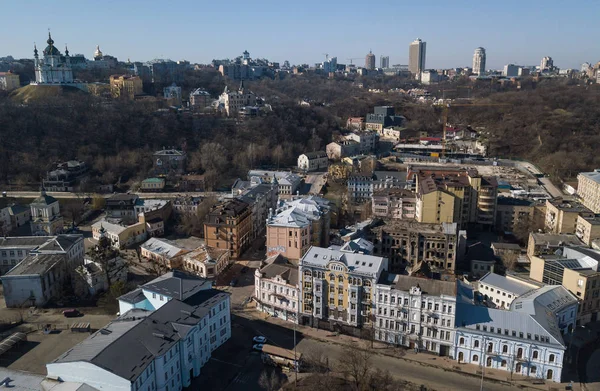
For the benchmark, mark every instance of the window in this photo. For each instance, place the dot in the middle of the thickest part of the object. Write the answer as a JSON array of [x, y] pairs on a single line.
[[533, 370], [535, 355], [476, 343], [551, 358], [520, 353], [475, 358], [504, 348]]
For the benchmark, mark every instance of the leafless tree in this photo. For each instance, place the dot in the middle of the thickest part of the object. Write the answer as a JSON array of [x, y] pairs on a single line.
[[355, 365], [316, 359], [509, 260], [269, 380], [109, 258], [277, 154]]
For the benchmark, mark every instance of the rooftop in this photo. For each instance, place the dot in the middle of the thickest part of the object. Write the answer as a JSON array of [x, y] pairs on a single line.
[[593, 220], [36, 264], [110, 227], [151, 204], [428, 286], [299, 212], [153, 180], [554, 239], [122, 197], [315, 155], [568, 205], [233, 208], [414, 226], [514, 201], [177, 284], [506, 246], [505, 284], [278, 265], [355, 262], [163, 247], [205, 254], [552, 297], [594, 175]]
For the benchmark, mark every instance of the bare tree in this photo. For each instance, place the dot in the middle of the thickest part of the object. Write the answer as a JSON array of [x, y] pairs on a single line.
[[269, 380], [73, 210], [277, 154], [509, 260], [316, 359], [109, 258], [355, 365]]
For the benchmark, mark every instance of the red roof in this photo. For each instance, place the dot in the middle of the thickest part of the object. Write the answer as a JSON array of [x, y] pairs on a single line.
[[430, 139]]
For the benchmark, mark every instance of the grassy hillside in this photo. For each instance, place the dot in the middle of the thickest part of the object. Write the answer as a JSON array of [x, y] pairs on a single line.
[[32, 93]]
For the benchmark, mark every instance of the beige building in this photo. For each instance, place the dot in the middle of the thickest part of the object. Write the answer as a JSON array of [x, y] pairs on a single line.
[[588, 188], [575, 268], [229, 226], [512, 212], [161, 251], [311, 161], [337, 288], [561, 215], [233, 101], [588, 229], [547, 244], [454, 195], [45, 216], [125, 86], [298, 224], [276, 289], [206, 262], [9, 81], [394, 204], [410, 245], [121, 235]]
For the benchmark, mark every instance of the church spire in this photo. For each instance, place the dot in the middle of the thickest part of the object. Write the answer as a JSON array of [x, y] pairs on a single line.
[[35, 51], [66, 50]]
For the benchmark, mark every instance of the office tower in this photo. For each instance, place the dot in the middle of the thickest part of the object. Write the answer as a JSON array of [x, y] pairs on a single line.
[[479, 61], [384, 62], [547, 64], [370, 61], [416, 57]]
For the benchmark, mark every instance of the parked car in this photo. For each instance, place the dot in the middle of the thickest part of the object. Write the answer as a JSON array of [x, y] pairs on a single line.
[[259, 339], [233, 282], [71, 313], [244, 269], [258, 347]]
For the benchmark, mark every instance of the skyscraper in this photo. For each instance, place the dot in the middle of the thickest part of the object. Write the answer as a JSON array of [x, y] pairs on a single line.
[[384, 62], [547, 64], [479, 61], [370, 61], [416, 57]]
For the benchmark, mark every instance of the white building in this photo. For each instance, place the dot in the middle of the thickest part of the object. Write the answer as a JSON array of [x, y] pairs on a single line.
[[53, 69], [312, 161], [45, 216], [14, 249], [547, 64], [276, 288], [416, 312], [479, 61], [526, 340], [500, 291], [172, 94], [233, 101], [367, 141], [288, 182], [206, 262], [91, 278], [166, 333]]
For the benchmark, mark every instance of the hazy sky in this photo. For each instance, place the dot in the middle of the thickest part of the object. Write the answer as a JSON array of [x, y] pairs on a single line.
[[511, 31]]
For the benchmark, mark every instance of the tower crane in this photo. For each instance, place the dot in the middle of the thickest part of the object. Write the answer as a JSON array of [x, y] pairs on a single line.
[[353, 58], [326, 56], [446, 109]]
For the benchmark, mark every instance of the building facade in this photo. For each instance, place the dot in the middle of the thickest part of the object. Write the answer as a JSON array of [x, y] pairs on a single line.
[[313, 161], [588, 188], [233, 101], [479, 58], [394, 204], [229, 226], [46, 219], [276, 289], [9, 81], [121, 234], [53, 68], [125, 86], [500, 291], [562, 215], [338, 288], [168, 161], [370, 61], [588, 229], [416, 57], [416, 313]]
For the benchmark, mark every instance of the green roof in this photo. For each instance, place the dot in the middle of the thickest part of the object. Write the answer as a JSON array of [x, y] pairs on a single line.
[[153, 180]]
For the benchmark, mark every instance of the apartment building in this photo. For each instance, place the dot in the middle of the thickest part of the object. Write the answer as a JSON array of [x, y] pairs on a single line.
[[337, 288], [261, 199], [394, 204], [416, 312], [121, 206], [229, 226], [383, 117], [588, 189], [547, 244], [125, 86], [313, 161], [233, 101], [575, 268], [287, 183], [13, 249], [276, 289], [298, 224], [169, 334], [512, 212], [500, 291], [454, 195], [361, 187], [410, 245], [561, 215], [367, 141], [9, 81], [588, 229], [337, 150]]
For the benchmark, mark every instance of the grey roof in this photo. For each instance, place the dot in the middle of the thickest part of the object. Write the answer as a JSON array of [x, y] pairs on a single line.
[[508, 246], [36, 264], [356, 263], [505, 284], [171, 284], [133, 297], [251, 195], [24, 241], [61, 243], [44, 199], [278, 265], [27, 381], [360, 245], [555, 239], [16, 209], [428, 286], [315, 155], [394, 175], [163, 247], [551, 297], [594, 175]]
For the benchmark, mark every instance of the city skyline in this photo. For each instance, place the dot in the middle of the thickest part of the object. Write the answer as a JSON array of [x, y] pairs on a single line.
[[296, 35]]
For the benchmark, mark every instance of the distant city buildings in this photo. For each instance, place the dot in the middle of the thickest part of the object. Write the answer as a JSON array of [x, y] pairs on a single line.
[[53, 68], [9, 81], [200, 99], [232, 102], [370, 61], [479, 58], [384, 62], [125, 86], [547, 64], [172, 94], [416, 57]]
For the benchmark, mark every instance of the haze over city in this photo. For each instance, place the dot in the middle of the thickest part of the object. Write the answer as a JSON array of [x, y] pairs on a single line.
[[511, 31]]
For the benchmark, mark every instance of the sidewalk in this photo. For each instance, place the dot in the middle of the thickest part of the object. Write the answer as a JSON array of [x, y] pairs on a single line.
[[443, 363]]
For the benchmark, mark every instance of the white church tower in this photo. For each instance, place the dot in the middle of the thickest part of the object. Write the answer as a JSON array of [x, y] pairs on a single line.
[[54, 68]]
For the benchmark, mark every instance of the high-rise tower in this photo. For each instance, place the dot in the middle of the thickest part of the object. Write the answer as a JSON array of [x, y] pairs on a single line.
[[416, 57], [370, 61], [479, 61]]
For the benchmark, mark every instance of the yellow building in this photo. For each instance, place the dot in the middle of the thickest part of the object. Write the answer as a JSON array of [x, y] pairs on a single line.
[[153, 184], [9, 81], [454, 195], [337, 287], [125, 86], [588, 229], [576, 270], [588, 188], [229, 226], [121, 235], [561, 215]]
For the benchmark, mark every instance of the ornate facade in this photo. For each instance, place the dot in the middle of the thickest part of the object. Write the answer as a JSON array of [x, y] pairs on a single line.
[[53, 68]]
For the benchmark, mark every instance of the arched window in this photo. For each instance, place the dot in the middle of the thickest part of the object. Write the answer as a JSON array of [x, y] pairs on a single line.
[[476, 343], [367, 283], [490, 347], [504, 348], [535, 354], [503, 364], [533, 370], [475, 358], [551, 358], [518, 368], [520, 353], [461, 341], [460, 356], [340, 278], [489, 362], [550, 374], [331, 277], [307, 273]]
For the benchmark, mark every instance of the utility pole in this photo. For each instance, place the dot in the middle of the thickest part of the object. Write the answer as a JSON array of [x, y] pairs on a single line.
[[296, 366], [482, 363]]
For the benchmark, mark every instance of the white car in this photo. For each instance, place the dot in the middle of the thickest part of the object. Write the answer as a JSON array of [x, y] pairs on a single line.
[[259, 339], [258, 347]]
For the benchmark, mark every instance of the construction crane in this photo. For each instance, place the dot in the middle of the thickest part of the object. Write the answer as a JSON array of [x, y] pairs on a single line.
[[446, 109], [353, 58], [326, 56]]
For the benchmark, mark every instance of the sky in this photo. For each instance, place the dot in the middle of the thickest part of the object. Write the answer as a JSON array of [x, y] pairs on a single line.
[[511, 31]]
